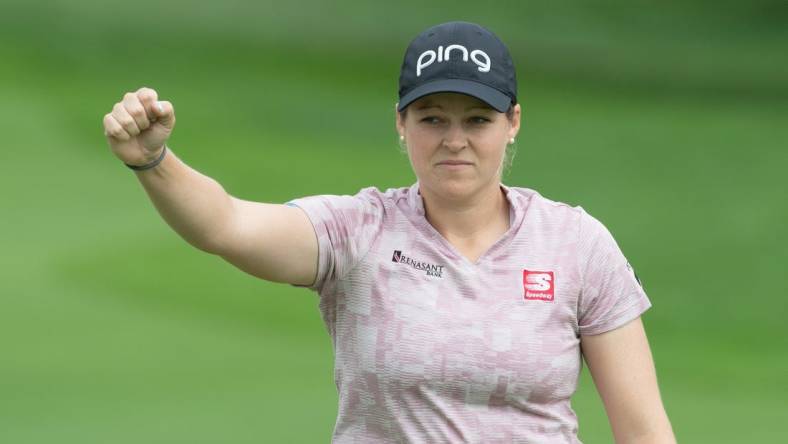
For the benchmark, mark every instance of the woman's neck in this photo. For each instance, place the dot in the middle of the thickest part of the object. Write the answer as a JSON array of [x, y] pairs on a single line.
[[474, 220]]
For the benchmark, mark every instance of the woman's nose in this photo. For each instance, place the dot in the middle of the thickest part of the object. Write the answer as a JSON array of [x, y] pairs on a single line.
[[455, 138]]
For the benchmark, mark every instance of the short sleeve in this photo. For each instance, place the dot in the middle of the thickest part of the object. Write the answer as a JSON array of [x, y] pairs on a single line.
[[611, 294], [346, 226]]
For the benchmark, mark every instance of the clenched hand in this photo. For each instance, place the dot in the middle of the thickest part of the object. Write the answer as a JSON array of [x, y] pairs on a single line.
[[138, 126]]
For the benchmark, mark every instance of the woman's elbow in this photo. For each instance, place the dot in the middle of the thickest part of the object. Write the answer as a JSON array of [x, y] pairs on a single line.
[[655, 432]]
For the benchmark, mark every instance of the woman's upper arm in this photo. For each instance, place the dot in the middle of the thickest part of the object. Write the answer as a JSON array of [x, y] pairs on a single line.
[[623, 371], [272, 241]]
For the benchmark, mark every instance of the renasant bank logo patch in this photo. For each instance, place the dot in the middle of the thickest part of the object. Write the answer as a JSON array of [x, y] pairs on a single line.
[[431, 269]]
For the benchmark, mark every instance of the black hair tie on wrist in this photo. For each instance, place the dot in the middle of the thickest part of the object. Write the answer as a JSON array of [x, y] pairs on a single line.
[[150, 165]]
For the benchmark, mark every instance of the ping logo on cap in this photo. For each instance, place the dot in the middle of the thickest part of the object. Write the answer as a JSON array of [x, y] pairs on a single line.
[[479, 57]]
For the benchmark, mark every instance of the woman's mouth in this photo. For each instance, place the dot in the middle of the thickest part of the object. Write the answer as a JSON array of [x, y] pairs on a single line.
[[454, 164]]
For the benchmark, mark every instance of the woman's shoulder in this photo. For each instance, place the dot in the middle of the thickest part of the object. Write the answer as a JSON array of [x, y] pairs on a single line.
[[403, 197], [559, 215], [387, 193], [532, 200]]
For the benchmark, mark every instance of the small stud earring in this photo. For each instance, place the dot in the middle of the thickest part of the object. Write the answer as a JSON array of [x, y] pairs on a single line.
[[511, 141], [402, 138]]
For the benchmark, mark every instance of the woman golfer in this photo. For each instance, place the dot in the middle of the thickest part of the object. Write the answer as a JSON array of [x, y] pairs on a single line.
[[459, 307]]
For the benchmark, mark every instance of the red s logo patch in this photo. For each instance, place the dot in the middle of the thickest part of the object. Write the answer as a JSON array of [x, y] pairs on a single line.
[[539, 285]]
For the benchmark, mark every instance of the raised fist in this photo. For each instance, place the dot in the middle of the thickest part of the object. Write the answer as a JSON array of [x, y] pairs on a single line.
[[138, 126]]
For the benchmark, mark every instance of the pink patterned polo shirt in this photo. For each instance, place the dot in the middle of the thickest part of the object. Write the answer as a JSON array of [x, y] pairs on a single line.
[[432, 348]]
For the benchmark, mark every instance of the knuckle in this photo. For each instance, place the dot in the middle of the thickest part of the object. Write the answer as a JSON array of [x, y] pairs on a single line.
[[146, 92], [137, 112], [127, 124]]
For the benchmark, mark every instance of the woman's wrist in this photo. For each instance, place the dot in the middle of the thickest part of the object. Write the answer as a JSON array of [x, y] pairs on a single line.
[[151, 164]]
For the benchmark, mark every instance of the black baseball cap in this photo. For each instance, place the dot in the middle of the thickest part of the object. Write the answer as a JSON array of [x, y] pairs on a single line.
[[459, 57]]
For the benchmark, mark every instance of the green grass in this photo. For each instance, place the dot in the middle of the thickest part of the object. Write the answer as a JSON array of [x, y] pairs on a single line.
[[115, 330]]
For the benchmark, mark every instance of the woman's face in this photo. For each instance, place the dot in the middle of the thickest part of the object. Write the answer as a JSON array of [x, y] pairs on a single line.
[[456, 143]]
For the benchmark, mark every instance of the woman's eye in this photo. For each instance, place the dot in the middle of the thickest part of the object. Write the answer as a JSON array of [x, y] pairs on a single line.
[[476, 120]]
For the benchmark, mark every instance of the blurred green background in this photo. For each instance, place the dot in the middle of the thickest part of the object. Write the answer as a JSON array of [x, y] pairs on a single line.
[[666, 120]]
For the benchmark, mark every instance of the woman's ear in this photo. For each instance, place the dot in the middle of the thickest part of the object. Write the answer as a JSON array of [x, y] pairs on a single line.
[[398, 119], [515, 122]]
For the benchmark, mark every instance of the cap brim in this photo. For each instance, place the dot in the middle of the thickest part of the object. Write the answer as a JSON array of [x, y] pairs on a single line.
[[490, 95]]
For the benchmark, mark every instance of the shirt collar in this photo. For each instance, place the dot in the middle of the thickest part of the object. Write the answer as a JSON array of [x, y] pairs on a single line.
[[515, 204]]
